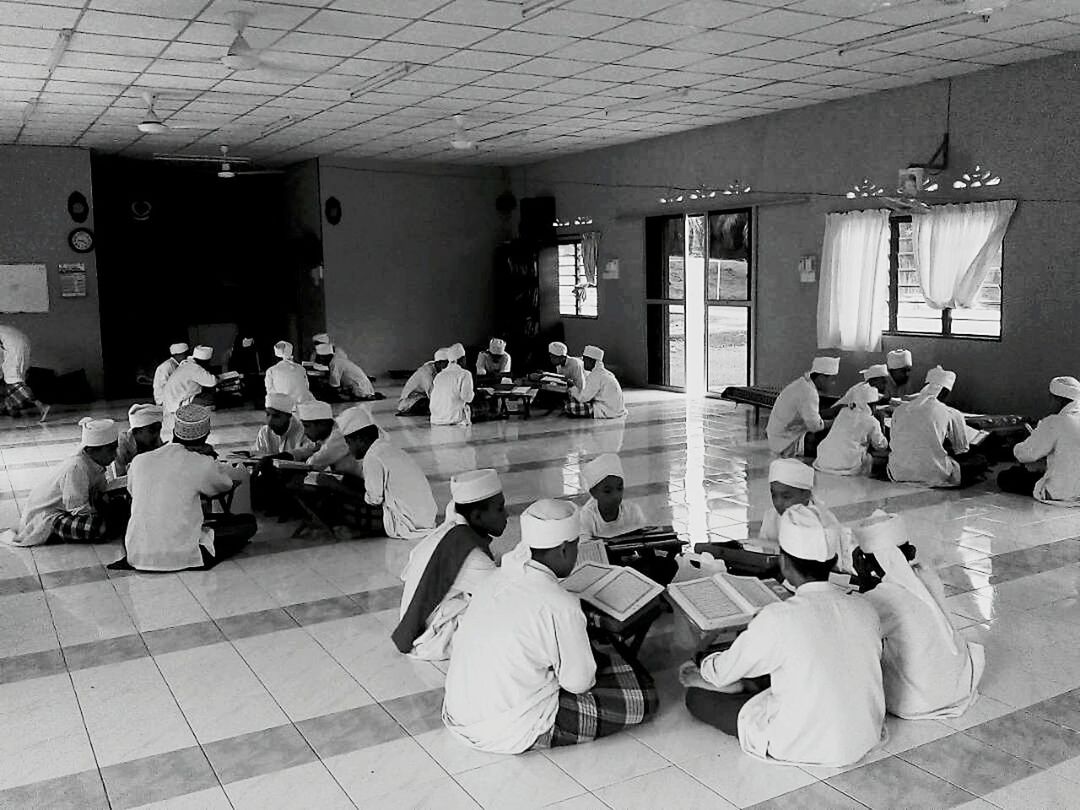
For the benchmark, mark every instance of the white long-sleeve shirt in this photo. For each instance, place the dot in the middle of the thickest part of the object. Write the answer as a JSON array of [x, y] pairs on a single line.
[[294, 442], [418, 386], [1057, 439], [840, 536], [166, 529], [796, 413], [822, 651], [71, 489], [629, 519], [161, 376], [287, 377], [487, 364], [333, 454], [185, 384], [603, 391], [521, 640], [347, 375], [919, 431], [574, 371], [451, 394], [15, 348], [845, 450], [395, 482]]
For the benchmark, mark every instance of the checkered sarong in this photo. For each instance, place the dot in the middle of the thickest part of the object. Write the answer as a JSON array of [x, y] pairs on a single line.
[[363, 518], [87, 527], [17, 397], [624, 695], [579, 410]]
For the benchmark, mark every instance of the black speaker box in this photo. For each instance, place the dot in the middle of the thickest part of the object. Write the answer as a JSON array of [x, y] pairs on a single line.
[[538, 219]]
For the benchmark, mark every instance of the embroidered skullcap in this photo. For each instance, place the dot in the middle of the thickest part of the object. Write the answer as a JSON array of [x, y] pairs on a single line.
[[497, 346], [144, 415], [179, 348], [898, 358], [192, 422], [792, 472], [600, 468], [594, 353], [557, 348], [314, 410], [98, 432], [829, 366], [203, 353], [862, 394], [280, 402], [283, 349], [803, 536], [475, 486]]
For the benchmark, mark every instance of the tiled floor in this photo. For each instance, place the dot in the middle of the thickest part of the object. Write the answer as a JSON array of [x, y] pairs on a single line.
[[271, 680]]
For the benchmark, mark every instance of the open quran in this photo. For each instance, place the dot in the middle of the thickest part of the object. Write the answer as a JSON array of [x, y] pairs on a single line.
[[619, 592], [721, 601]]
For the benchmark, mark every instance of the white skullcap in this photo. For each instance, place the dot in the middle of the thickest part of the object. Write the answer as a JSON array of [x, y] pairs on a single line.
[[322, 337], [880, 530], [203, 353], [247, 343], [324, 349], [940, 377], [1068, 387], [600, 468], [178, 348], [144, 415], [314, 410], [497, 346], [792, 472], [192, 422], [829, 366], [549, 524], [355, 418], [475, 486], [98, 432], [280, 402], [441, 355], [862, 394], [875, 372], [557, 348], [283, 349], [455, 352], [803, 536], [594, 352], [898, 358]]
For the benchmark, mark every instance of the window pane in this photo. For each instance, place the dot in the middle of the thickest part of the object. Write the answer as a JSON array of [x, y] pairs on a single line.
[[728, 328], [569, 270], [727, 277], [676, 346], [673, 257], [918, 317], [588, 306]]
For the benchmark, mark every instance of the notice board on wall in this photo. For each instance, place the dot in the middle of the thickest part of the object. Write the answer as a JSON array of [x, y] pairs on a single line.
[[24, 288]]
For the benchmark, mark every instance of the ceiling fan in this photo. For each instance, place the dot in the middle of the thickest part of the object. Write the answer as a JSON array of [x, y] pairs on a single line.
[[227, 164], [151, 123], [240, 56]]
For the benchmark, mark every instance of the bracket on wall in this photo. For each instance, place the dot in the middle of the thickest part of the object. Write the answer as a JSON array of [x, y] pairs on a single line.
[[939, 161]]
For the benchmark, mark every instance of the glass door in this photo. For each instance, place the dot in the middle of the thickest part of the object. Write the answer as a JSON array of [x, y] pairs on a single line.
[[728, 298], [665, 291]]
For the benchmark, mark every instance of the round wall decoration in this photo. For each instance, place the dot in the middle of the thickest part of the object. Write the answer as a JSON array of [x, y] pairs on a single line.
[[333, 210], [81, 240], [140, 210], [78, 207]]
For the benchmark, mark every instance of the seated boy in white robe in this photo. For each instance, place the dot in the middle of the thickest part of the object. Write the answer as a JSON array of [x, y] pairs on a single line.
[[523, 673], [929, 670], [143, 435], [453, 391], [287, 377], [854, 432], [606, 516], [447, 567], [331, 451], [178, 353], [190, 382], [281, 437], [415, 399], [1056, 443], [346, 379], [791, 483], [69, 506], [795, 422], [601, 397], [823, 703], [397, 495], [494, 363], [899, 364]]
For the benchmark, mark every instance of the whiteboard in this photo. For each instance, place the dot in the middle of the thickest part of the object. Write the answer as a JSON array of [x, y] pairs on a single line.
[[24, 288]]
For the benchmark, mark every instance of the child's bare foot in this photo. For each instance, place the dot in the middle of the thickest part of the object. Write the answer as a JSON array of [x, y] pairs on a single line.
[[44, 410]]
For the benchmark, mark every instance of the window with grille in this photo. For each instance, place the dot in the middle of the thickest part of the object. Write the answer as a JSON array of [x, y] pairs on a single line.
[[577, 297], [910, 314]]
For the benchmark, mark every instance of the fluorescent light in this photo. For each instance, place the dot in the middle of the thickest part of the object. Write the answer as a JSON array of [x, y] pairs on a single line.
[[906, 31], [28, 112], [391, 74], [630, 104], [276, 126], [537, 6], [63, 39]]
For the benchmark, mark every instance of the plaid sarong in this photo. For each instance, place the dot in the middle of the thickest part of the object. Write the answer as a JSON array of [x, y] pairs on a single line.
[[363, 518], [88, 527], [17, 397], [624, 695], [578, 410]]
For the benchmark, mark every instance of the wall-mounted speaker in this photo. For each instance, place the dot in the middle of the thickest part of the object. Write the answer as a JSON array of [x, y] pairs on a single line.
[[537, 220]]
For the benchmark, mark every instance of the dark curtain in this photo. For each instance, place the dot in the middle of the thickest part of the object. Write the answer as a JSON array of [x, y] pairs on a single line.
[[517, 289]]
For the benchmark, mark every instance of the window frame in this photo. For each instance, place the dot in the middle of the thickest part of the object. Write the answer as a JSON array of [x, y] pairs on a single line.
[[946, 314], [578, 273]]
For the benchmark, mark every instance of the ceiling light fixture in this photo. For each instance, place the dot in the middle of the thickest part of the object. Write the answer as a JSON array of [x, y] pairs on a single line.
[[276, 126], [28, 112], [673, 196], [976, 178], [529, 7], [865, 188], [63, 39], [570, 223], [633, 103], [736, 187], [702, 193], [907, 31], [391, 74]]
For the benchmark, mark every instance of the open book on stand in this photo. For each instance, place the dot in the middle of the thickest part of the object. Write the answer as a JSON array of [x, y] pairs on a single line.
[[722, 601], [619, 592]]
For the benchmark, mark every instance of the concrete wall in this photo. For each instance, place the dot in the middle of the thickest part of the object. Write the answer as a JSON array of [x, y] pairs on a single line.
[[34, 224], [410, 266], [1020, 120]]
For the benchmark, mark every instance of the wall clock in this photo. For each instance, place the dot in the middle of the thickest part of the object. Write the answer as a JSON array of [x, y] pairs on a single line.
[[81, 240]]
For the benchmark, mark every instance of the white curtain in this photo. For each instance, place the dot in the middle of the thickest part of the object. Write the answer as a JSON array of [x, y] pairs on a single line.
[[956, 246], [590, 248], [854, 281]]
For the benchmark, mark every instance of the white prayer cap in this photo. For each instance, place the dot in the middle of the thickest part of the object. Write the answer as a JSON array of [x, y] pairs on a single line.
[[803, 536], [875, 372], [600, 468], [829, 366], [862, 394], [940, 377], [1068, 387], [475, 486], [355, 418], [98, 432], [283, 349], [322, 337], [314, 410], [455, 352], [247, 343], [792, 472], [179, 348], [549, 523], [557, 348], [898, 358], [594, 353], [144, 415], [497, 346], [324, 349], [280, 402], [442, 355], [880, 530], [203, 353], [192, 422]]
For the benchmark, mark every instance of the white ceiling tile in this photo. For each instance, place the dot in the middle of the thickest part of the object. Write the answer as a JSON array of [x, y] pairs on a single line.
[[348, 24], [176, 9], [32, 15], [730, 65], [842, 77], [482, 60], [26, 56], [543, 98], [1039, 32], [1020, 54], [910, 13], [105, 61], [917, 42], [958, 49], [664, 58], [706, 13], [619, 8], [645, 32], [479, 12], [577, 87], [448, 75], [102, 43], [898, 63], [27, 37], [165, 81], [680, 78], [595, 50], [1065, 44], [523, 42], [405, 52], [547, 66], [843, 32], [719, 42], [784, 71], [105, 22], [479, 93], [835, 8], [22, 70], [780, 23], [264, 15], [781, 49], [436, 33], [520, 81], [568, 23], [618, 73], [321, 44], [734, 84], [113, 77], [187, 67]]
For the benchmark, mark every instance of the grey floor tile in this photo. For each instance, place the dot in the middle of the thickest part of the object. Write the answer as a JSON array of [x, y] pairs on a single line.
[[324, 610], [419, 712], [970, 763], [818, 796], [892, 783], [13, 585], [73, 576], [1029, 737], [258, 753], [79, 791], [182, 637], [255, 624], [105, 651], [351, 730], [31, 665], [157, 778]]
